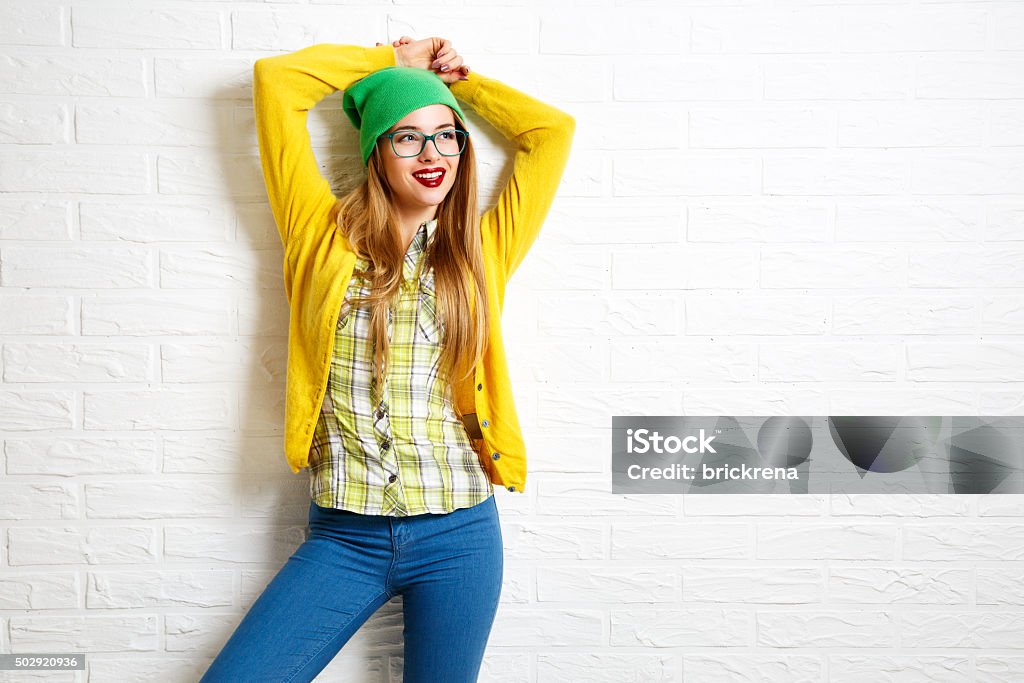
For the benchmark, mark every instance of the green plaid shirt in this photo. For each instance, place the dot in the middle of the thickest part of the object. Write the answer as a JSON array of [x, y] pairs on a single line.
[[410, 454]]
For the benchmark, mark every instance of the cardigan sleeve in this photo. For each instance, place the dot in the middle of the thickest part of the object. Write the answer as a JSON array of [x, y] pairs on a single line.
[[285, 87], [542, 135]]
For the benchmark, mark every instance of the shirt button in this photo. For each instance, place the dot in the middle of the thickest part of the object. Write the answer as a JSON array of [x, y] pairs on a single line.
[[393, 477], [485, 423], [495, 456]]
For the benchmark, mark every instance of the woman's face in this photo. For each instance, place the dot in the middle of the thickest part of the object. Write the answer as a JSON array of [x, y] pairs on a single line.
[[410, 190]]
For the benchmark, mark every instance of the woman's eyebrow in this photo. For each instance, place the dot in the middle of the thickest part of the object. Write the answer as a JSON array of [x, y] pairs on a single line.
[[443, 125]]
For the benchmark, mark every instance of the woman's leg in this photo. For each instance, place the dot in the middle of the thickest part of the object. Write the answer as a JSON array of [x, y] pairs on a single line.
[[450, 575], [326, 590]]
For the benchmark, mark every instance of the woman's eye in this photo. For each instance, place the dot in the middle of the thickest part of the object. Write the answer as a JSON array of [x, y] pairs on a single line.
[[406, 137], [448, 134]]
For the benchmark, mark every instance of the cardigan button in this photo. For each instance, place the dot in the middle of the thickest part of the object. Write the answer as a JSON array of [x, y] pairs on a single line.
[[485, 423], [479, 387], [511, 488], [495, 456]]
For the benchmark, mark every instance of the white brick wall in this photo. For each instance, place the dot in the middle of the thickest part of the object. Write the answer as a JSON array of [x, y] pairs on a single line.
[[771, 208]]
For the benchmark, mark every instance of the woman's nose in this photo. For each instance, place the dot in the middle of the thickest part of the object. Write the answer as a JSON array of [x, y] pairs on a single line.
[[429, 151]]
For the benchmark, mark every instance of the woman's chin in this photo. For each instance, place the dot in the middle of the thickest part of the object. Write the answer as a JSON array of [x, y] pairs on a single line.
[[431, 196]]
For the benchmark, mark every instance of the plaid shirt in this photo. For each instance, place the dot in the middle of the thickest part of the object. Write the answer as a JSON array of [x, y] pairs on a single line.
[[410, 454]]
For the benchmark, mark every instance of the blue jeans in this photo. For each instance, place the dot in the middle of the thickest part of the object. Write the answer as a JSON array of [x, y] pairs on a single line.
[[447, 568]]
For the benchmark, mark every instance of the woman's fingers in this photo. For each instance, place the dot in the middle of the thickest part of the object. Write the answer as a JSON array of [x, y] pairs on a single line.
[[404, 40], [444, 49], [434, 54], [451, 64], [448, 60]]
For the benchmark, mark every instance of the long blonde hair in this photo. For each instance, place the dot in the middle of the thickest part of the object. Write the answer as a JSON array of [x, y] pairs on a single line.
[[367, 218]]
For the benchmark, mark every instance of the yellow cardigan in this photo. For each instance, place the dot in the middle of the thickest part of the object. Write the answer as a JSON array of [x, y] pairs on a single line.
[[318, 261]]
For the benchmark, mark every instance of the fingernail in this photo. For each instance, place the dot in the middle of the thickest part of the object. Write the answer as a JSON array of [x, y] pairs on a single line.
[[445, 67]]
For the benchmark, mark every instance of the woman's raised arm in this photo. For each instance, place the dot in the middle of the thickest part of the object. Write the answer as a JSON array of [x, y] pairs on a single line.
[[285, 87], [543, 137]]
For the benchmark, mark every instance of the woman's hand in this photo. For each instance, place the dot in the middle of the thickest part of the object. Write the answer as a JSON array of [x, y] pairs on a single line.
[[433, 54]]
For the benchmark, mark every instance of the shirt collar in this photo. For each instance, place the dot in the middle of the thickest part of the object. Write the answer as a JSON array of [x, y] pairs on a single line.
[[422, 237], [431, 226], [413, 257]]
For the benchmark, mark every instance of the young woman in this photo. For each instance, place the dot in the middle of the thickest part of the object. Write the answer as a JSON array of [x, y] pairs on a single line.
[[398, 395]]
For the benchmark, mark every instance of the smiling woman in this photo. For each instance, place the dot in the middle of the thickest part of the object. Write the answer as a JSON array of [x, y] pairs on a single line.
[[398, 395], [412, 163], [393, 108]]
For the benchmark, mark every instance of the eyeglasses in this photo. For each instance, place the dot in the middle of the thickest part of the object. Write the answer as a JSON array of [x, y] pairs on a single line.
[[410, 143]]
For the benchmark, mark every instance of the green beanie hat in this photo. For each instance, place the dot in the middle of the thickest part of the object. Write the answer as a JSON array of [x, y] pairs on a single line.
[[376, 102]]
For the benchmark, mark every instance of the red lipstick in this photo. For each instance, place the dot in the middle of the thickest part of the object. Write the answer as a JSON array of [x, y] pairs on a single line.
[[430, 181]]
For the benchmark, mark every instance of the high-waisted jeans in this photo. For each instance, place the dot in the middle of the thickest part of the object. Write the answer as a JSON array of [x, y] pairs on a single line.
[[447, 568]]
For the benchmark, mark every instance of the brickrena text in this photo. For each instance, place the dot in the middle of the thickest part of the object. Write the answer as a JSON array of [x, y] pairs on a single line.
[[722, 472]]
